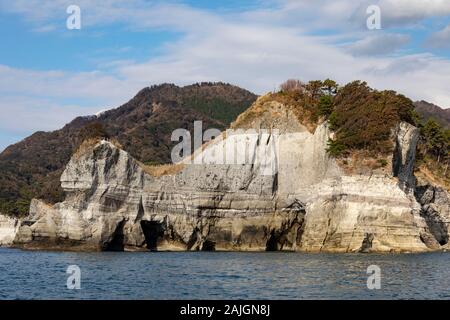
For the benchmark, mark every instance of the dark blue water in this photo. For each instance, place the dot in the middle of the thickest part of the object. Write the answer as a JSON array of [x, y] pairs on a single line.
[[42, 275]]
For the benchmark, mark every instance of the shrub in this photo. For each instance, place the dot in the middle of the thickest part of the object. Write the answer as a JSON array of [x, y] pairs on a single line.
[[93, 130], [336, 148], [383, 162]]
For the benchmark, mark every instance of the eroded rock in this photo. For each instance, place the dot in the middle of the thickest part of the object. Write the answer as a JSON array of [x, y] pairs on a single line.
[[8, 230], [308, 204]]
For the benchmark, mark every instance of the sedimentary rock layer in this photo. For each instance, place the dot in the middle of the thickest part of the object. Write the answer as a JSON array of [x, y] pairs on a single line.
[[296, 199]]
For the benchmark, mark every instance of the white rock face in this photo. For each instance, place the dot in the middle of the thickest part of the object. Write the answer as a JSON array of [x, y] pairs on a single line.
[[363, 214], [8, 230], [407, 137], [308, 204]]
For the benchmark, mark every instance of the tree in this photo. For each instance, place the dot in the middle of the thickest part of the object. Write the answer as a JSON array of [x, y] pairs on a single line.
[[314, 88], [330, 87], [435, 140], [333, 121], [363, 118], [416, 118], [447, 151], [325, 106], [336, 148], [292, 85]]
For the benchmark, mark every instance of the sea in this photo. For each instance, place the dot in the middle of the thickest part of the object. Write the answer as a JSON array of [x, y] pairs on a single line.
[[222, 275]]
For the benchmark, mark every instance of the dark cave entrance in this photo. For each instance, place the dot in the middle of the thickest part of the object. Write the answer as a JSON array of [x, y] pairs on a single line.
[[272, 243], [209, 246], [117, 240], [152, 230]]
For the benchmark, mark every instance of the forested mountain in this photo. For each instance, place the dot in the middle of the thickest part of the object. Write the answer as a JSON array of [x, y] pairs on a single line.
[[143, 126]]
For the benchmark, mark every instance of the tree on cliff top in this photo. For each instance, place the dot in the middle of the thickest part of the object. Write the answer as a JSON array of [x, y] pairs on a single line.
[[363, 118], [435, 139]]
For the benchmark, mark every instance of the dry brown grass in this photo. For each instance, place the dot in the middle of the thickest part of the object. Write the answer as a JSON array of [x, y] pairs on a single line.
[[250, 114], [85, 146], [89, 144], [363, 162], [426, 174], [293, 101], [163, 170]]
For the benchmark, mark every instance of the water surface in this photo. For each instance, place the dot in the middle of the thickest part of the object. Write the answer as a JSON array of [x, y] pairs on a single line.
[[222, 275]]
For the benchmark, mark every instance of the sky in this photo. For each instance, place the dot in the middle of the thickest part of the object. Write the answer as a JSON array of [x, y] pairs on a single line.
[[49, 74]]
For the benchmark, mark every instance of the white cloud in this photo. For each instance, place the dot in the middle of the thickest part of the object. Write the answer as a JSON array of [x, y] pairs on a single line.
[[135, 13], [349, 15], [94, 85], [261, 62], [440, 39], [419, 77], [379, 44], [256, 49], [45, 100], [23, 114], [396, 12], [305, 14]]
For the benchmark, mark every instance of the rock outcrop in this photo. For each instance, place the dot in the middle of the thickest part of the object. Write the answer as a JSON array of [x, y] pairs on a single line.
[[8, 230], [407, 137], [435, 203], [284, 193]]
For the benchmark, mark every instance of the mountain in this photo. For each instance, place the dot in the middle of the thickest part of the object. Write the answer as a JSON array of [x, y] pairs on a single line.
[[318, 171], [143, 127], [428, 110]]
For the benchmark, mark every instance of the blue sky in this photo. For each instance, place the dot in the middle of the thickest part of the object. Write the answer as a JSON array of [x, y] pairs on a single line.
[[49, 74]]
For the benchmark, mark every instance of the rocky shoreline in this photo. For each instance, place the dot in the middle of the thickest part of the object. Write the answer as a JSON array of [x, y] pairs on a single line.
[[310, 204]]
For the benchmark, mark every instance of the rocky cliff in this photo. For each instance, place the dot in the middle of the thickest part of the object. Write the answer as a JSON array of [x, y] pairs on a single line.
[[279, 191], [8, 229]]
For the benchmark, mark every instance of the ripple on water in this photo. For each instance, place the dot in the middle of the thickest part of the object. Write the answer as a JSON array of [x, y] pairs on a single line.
[[42, 275]]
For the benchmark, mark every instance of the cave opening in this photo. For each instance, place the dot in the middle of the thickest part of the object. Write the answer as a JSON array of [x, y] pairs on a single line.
[[367, 243], [152, 230], [209, 245], [117, 239], [272, 243]]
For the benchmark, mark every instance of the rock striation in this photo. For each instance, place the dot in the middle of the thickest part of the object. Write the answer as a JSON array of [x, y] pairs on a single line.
[[435, 203], [305, 202], [8, 229]]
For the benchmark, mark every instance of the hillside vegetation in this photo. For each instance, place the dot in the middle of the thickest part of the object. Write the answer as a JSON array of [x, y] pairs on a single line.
[[310, 102], [433, 154], [429, 111], [363, 120], [143, 127]]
